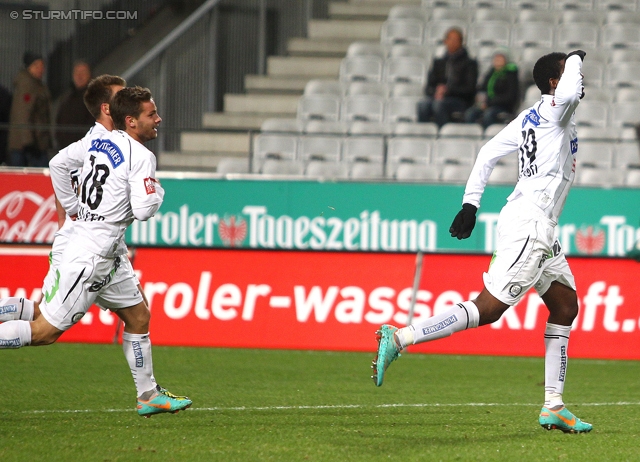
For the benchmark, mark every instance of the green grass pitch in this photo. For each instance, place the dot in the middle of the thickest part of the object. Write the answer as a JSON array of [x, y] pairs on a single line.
[[72, 402]]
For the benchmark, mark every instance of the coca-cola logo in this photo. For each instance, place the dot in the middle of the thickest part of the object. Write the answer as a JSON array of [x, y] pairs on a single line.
[[26, 216]]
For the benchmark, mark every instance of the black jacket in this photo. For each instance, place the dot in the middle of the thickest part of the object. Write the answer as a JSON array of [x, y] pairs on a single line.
[[458, 72], [506, 89]]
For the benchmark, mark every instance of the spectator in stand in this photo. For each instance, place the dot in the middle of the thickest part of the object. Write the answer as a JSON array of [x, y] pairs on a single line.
[[5, 109], [451, 83], [31, 105], [72, 112], [498, 95]]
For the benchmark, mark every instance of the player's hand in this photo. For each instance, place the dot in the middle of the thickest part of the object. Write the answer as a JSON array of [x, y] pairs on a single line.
[[464, 222], [580, 53]]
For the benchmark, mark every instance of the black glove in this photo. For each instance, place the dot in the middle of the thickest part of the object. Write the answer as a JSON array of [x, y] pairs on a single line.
[[464, 222], [580, 53]]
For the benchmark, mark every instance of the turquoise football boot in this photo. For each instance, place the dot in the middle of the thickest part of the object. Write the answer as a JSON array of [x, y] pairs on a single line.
[[161, 403], [388, 351], [564, 420]]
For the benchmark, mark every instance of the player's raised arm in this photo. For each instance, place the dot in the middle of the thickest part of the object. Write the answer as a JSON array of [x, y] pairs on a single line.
[[570, 87]]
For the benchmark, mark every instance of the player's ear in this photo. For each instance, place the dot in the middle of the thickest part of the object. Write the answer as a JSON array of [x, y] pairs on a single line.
[[105, 108], [130, 121]]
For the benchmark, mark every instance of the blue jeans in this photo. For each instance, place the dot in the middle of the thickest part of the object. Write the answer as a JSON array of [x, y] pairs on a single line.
[[440, 110]]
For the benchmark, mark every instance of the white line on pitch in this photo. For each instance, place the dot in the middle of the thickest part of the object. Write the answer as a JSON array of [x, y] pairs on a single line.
[[330, 406]]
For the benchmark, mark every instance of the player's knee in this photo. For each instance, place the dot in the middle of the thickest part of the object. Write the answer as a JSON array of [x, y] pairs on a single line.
[[42, 334]]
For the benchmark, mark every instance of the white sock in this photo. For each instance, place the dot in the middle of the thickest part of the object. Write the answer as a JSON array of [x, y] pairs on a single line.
[[15, 334], [137, 350], [556, 340], [14, 308], [460, 317]]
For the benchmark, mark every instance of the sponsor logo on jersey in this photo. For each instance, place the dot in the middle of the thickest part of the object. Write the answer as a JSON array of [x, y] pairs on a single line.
[[590, 240], [8, 309], [150, 185], [441, 325], [574, 146], [532, 118], [515, 290], [137, 352], [109, 148], [77, 317], [96, 286]]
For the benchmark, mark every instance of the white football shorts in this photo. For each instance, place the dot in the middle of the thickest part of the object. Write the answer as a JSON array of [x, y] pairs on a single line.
[[527, 254], [77, 279]]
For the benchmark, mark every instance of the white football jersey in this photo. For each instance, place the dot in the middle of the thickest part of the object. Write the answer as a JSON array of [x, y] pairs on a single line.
[[117, 184], [544, 137]]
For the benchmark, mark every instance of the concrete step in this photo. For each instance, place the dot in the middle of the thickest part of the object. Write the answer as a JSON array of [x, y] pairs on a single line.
[[301, 66], [270, 84], [262, 104], [218, 142], [300, 46], [230, 120], [360, 11], [343, 29]]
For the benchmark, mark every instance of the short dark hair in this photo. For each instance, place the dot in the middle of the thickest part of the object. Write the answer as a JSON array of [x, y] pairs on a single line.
[[128, 102], [99, 92], [548, 67]]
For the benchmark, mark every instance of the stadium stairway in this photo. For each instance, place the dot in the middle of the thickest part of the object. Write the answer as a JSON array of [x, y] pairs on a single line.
[[276, 94]]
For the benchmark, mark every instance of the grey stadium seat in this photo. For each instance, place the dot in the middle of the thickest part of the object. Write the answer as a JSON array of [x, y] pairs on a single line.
[[454, 150], [532, 34], [595, 154], [405, 31], [361, 48], [320, 148], [319, 107], [228, 165], [402, 109], [361, 68], [368, 108]]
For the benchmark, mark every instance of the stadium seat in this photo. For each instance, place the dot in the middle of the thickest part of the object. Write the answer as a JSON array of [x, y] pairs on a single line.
[[622, 55], [402, 109], [363, 149], [494, 14], [324, 87], [492, 130], [406, 89], [570, 36], [489, 34], [462, 15], [326, 127], [599, 177], [504, 174], [274, 147], [454, 173], [406, 69], [320, 148], [598, 94], [282, 167], [361, 68], [573, 5], [454, 150], [627, 95], [366, 170], [442, 3], [410, 149], [458, 130], [623, 74], [620, 36], [535, 15], [418, 51], [629, 133], [368, 108], [624, 114], [626, 5], [592, 113], [632, 178], [532, 34], [406, 31], [414, 172], [359, 127], [532, 93], [323, 169], [426, 129], [408, 12], [228, 165], [530, 4], [596, 154], [593, 71], [625, 155], [366, 49], [276, 125], [586, 133], [319, 107], [621, 16], [367, 88]]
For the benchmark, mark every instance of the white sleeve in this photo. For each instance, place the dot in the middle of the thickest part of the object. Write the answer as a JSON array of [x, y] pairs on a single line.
[[60, 168], [504, 143], [567, 94], [146, 191]]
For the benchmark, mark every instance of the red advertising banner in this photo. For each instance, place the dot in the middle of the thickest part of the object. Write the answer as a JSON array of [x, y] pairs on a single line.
[[336, 300], [27, 208]]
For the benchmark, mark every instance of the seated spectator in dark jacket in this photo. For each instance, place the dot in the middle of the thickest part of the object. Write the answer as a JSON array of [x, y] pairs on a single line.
[[451, 83], [498, 95], [72, 113]]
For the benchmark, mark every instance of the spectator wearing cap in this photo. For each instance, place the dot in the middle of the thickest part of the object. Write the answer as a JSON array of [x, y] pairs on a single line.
[[498, 94], [451, 82], [72, 113], [29, 137]]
